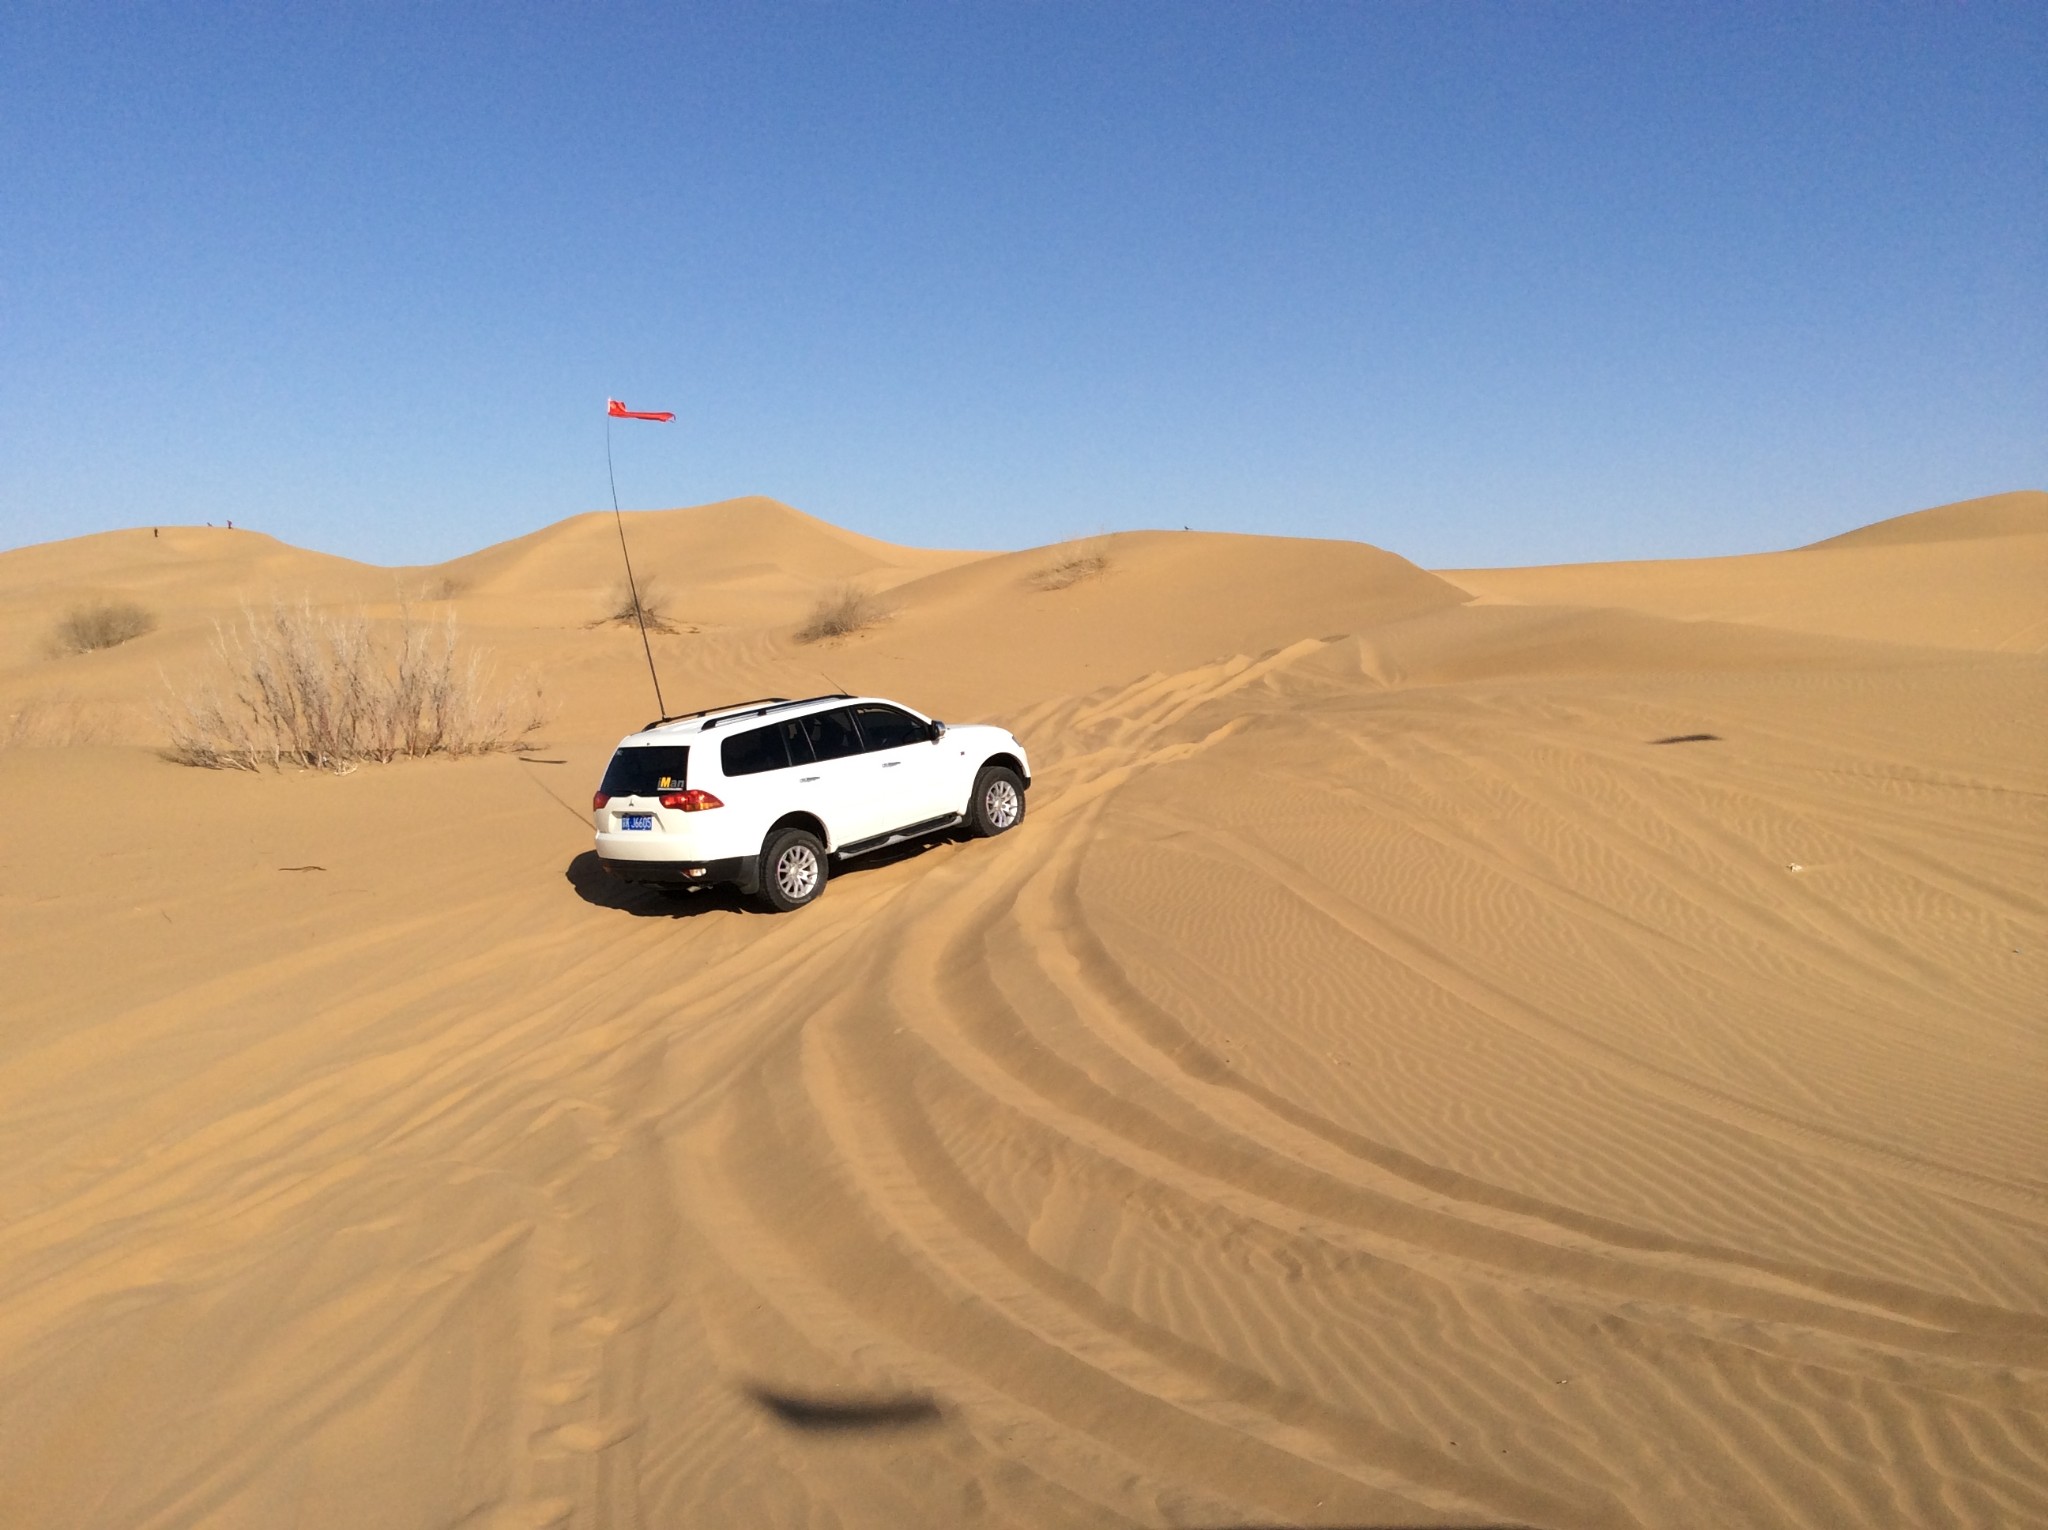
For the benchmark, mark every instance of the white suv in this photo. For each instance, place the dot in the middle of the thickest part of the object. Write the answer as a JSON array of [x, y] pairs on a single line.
[[761, 795]]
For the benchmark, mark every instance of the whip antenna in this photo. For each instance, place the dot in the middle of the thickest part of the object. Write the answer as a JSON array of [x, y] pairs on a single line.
[[614, 410]]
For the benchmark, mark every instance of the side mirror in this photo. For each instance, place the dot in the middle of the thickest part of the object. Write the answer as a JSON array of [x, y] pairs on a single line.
[[937, 730]]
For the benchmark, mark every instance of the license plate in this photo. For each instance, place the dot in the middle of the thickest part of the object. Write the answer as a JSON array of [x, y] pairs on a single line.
[[636, 820]]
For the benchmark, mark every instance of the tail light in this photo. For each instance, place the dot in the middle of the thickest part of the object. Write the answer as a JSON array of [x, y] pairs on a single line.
[[598, 801], [691, 801]]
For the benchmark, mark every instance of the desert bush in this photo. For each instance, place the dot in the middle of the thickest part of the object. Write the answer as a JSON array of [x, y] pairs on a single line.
[[654, 607], [1071, 564], [846, 610], [325, 691], [49, 720], [100, 624]]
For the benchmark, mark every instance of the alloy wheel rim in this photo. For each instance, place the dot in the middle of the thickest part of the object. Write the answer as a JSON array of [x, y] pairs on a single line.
[[796, 871], [1002, 804]]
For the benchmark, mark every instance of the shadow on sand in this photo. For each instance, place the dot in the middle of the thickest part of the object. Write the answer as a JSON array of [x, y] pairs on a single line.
[[594, 885], [817, 1413], [843, 1414]]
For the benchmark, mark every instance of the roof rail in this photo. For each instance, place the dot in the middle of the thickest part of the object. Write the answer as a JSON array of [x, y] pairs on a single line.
[[776, 704], [707, 711]]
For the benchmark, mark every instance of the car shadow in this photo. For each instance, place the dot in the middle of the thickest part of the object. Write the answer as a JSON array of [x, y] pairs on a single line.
[[910, 849], [594, 885]]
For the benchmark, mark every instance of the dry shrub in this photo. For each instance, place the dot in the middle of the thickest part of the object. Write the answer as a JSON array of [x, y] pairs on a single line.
[[100, 624], [49, 720], [653, 607], [325, 691], [846, 610], [1071, 564]]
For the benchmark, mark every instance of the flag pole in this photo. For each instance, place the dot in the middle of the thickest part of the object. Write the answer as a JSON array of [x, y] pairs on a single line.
[[632, 588]]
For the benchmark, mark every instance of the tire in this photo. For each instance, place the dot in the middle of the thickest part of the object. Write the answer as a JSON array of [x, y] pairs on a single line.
[[792, 870], [998, 802]]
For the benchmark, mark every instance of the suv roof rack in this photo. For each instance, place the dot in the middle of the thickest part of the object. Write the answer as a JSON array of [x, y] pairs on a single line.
[[775, 704], [707, 711]]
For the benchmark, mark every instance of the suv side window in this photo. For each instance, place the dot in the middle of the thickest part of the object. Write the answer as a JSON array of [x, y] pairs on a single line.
[[832, 734], [799, 742], [750, 753], [888, 728]]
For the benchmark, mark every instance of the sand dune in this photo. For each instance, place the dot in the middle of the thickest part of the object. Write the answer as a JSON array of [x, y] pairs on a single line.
[[985, 637], [1957, 576], [1571, 1056], [190, 579], [741, 561], [1995, 515]]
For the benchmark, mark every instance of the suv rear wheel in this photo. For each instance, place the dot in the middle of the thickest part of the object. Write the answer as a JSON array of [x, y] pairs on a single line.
[[792, 869], [998, 801]]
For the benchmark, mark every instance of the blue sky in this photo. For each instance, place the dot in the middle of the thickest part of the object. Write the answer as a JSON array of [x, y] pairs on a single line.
[[1476, 283]]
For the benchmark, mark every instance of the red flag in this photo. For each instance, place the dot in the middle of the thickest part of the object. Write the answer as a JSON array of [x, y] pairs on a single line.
[[619, 411]]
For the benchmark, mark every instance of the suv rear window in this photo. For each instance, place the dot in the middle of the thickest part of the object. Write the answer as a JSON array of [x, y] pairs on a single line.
[[646, 770]]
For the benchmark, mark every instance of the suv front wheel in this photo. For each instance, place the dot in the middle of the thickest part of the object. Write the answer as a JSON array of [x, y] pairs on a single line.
[[792, 870], [998, 801]]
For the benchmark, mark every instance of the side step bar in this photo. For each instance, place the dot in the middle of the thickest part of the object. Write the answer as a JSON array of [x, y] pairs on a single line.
[[898, 836]]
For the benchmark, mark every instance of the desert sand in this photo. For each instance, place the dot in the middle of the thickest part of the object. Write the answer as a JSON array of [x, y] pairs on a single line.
[[1559, 1047]]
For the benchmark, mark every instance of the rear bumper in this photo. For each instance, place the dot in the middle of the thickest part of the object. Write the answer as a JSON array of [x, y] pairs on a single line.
[[741, 871]]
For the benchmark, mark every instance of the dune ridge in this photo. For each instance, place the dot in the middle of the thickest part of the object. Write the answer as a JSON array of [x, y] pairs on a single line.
[[2022, 513], [1967, 575], [1539, 1047]]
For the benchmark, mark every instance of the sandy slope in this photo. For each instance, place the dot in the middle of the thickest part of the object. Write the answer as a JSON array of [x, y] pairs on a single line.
[[732, 571], [1380, 1083], [1957, 576], [2023, 513]]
